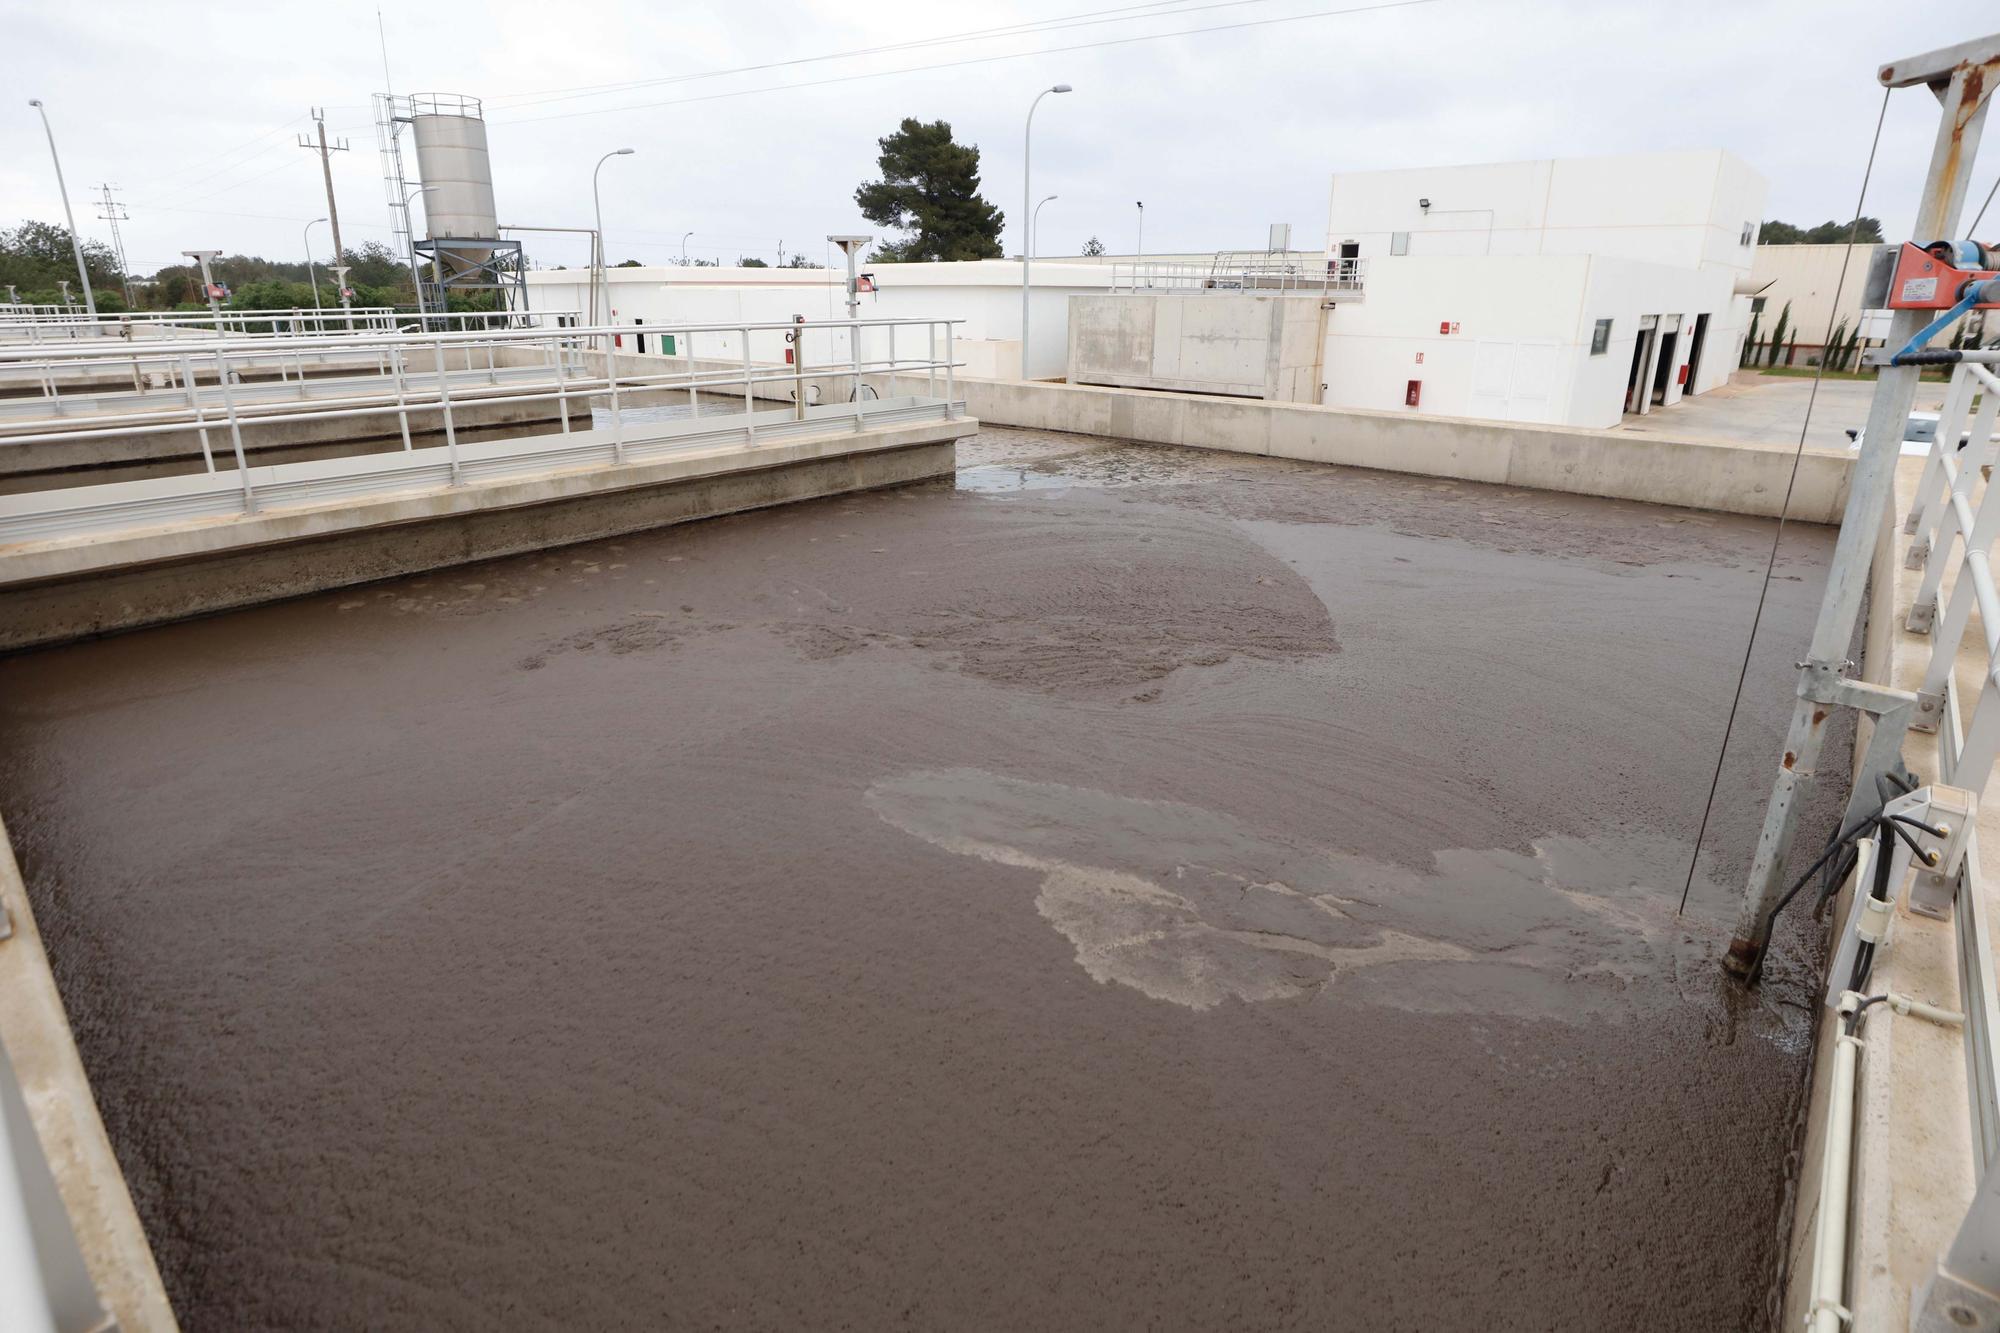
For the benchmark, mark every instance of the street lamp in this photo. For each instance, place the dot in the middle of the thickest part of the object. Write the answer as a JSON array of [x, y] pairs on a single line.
[[310, 271], [208, 285], [597, 204], [1142, 231], [410, 237], [75, 246], [684, 247], [1035, 223], [1027, 218]]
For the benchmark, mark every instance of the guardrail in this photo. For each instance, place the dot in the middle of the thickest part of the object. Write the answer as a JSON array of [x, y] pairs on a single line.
[[1250, 271], [1925, 837], [64, 327], [571, 368]]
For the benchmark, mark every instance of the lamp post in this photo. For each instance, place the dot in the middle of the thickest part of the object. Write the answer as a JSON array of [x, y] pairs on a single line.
[[1035, 224], [208, 284], [311, 272], [597, 204], [1027, 214], [1141, 252], [75, 246], [684, 247], [410, 236]]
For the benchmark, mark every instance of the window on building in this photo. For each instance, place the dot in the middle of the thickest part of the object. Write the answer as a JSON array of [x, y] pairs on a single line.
[[1600, 337], [1756, 305], [1749, 233], [1399, 242]]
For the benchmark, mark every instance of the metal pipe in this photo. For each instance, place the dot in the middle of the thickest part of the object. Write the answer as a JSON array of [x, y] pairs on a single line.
[[1027, 217]]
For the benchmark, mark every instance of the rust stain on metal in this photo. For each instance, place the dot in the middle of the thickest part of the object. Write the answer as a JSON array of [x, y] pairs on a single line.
[[1819, 716], [1790, 759], [1972, 94]]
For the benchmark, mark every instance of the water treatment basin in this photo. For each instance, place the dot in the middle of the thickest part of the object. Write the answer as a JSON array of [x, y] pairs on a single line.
[[1127, 886]]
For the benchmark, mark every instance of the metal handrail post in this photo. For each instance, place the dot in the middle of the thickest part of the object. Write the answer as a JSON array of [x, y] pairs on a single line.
[[444, 396], [694, 391], [402, 396], [200, 421], [562, 384], [798, 336], [749, 397], [235, 430], [617, 414], [854, 355], [930, 363], [950, 374]]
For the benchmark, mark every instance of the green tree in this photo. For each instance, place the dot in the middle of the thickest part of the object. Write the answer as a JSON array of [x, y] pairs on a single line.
[[36, 257], [1093, 246], [800, 261], [750, 261], [1778, 331], [1865, 231], [930, 190]]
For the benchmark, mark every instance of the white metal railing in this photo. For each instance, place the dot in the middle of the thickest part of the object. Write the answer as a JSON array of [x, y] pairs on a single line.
[[1254, 271], [127, 325], [721, 368], [1955, 519]]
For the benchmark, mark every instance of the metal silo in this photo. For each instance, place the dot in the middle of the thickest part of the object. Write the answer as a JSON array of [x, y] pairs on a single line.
[[453, 165]]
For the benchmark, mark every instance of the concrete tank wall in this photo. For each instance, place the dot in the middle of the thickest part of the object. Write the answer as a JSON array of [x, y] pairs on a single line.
[[1240, 344]]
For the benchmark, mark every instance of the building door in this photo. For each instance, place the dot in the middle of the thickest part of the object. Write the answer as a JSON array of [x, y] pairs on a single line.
[[1663, 368], [1694, 349], [1639, 346]]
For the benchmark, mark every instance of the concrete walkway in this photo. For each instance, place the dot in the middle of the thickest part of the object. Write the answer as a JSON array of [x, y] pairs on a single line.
[[1754, 408]]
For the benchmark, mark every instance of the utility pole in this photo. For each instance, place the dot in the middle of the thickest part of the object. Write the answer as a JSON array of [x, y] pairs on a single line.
[[114, 213], [325, 151]]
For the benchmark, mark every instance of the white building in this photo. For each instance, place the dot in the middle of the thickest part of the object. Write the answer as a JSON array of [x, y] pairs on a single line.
[[1542, 291]]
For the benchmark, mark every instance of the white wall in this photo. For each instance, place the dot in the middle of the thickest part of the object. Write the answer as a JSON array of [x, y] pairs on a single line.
[[985, 294], [1683, 208]]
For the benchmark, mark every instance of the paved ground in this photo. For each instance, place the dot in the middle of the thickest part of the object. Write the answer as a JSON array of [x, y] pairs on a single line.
[[1768, 409], [1133, 887]]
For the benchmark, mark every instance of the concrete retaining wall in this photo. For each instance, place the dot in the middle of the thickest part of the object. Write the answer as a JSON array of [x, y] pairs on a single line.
[[36, 1033], [1699, 474]]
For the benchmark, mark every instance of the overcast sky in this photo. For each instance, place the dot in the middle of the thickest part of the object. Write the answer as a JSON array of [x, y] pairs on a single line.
[[192, 110]]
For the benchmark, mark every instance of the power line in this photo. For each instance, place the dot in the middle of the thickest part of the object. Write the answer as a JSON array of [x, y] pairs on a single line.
[[1122, 14], [114, 213], [977, 60]]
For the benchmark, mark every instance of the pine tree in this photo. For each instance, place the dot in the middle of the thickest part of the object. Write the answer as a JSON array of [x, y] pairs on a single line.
[[930, 189]]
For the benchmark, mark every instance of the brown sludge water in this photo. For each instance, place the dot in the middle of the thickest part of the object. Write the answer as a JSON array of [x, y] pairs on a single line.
[[1131, 887]]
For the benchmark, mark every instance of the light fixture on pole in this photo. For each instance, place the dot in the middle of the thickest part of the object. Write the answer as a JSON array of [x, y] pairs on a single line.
[[75, 245], [311, 272], [410, 237], [1027, 219], [208, 287], [684, 246], [1036, 223], [1141, 252], [598, 276]]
